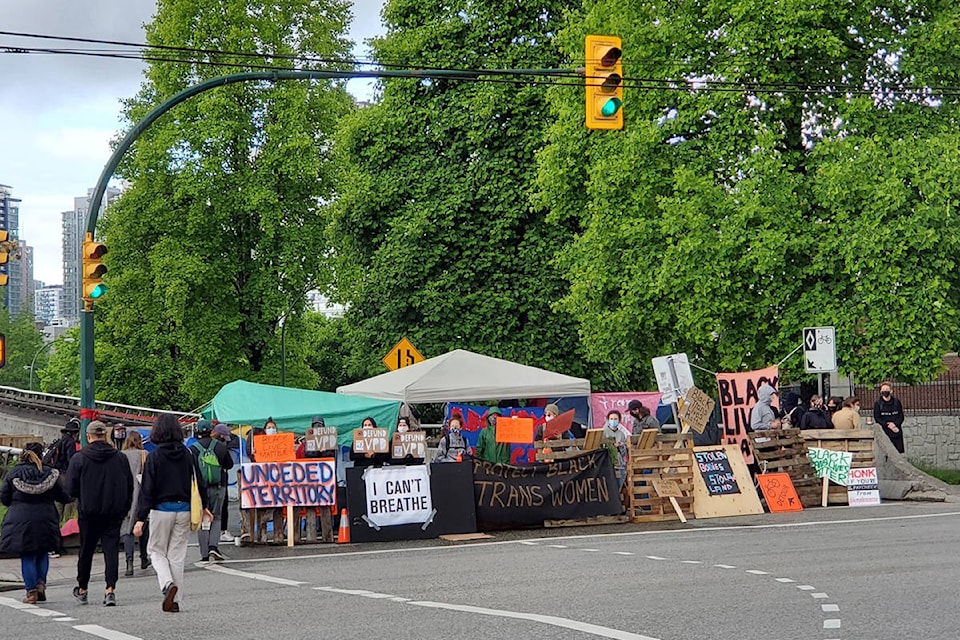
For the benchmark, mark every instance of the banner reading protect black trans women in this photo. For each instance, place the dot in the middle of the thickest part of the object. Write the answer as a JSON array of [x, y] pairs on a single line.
[[581, 487]]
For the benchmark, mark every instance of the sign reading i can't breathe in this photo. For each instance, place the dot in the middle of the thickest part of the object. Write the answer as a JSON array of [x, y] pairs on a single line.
[[398, 495], [303, 483]]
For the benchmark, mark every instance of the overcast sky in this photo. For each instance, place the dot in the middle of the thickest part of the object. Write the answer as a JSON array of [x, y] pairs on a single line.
[[58, 113]]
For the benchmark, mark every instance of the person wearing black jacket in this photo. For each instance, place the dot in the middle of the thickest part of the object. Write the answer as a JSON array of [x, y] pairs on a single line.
[[817, 417], [99, 477], [208, 539], [165, 493], [888, 413]]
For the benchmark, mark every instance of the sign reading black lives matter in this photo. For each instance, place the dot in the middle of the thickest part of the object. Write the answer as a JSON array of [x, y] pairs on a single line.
[[398, 495], [580, 487], [714, 466]]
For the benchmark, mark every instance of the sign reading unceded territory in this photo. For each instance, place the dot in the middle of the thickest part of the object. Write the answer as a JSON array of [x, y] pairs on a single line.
[[832, 464], [863, 487], [738, 394], [398, 495], [302, 483], [717, 474]]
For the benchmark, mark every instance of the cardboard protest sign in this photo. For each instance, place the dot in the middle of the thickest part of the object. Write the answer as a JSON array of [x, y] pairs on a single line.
[[834, 465], [863, 487], [320, 439], [738, 394], [695, 410], [723, 486], [398, 495], [514, 429], [274, 448], [558, 426], [717, 474], [779, 492], [301, 483], [412, 443], [370, 440]]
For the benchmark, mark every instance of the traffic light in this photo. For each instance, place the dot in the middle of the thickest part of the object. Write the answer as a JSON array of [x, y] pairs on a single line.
[[604, 79], [3, 350], [4, 258], [93, 269]]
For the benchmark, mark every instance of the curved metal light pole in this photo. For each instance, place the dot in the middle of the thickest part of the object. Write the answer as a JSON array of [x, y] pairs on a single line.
[[39, 351]]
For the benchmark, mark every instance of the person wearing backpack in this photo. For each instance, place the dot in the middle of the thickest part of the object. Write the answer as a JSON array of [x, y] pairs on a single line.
[[214, 460], [58, 456]]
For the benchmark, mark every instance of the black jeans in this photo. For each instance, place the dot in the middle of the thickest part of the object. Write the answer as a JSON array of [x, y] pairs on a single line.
[[94, 530]]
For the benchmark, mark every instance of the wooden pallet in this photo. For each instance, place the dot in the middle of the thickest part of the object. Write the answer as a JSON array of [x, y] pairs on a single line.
[[562, 449], [785, 451], [666, 458], [582, 522], [859, 442]]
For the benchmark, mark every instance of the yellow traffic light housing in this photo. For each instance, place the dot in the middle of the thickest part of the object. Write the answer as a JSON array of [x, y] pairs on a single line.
[[604, 80], [93, 269], [3, 350], [4, 258]]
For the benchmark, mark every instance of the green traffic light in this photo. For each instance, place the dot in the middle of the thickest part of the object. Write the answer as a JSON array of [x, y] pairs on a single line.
[[610, 107], [98, 291]]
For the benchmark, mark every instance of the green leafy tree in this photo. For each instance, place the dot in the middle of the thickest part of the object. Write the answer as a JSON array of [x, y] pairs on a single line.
[[435, 237], [61, 374], [24, 341], [221, 229], [763, 184]]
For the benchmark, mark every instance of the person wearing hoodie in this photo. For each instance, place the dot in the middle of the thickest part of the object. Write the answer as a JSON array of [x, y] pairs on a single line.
[[763, 416], [165, 498], [817, 417], [31, 526], [792, 411], [888, 413], [100, 479], [488, 449]]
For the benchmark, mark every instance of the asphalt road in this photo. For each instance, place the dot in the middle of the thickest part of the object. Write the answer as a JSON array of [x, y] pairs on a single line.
[[869, 573]]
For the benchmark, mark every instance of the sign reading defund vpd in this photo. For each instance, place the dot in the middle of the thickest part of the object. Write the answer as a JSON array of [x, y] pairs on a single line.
[[301, 483], [398, 495]]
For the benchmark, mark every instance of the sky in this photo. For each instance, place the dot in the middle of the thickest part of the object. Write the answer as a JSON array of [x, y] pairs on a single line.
[[58, 113]]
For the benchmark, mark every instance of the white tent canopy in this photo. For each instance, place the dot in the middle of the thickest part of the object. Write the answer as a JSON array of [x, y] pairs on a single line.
[[463, 376]]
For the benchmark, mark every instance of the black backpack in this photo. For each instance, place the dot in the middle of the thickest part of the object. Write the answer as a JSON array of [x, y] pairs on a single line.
[[57, 454]]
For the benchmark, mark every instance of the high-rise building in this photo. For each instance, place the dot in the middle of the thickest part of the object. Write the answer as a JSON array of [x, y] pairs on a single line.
[[47, 303], [10, 213], [74, 228], [20, 287]]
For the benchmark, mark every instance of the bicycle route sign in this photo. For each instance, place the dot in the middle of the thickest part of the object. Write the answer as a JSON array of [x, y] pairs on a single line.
[[819, 350]]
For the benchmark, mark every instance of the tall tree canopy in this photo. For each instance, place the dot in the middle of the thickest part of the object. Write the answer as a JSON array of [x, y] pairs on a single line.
[[23, 343], [220, 232], [782, 165], [434, 232]]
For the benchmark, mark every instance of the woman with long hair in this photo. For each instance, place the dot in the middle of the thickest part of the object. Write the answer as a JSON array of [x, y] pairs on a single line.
[[136, 458], [165, 498], [31, 527]]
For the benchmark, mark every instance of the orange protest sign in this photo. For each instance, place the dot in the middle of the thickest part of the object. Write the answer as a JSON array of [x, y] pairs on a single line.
[[779, 492], [515, 430], [274, 448], [558, 426]]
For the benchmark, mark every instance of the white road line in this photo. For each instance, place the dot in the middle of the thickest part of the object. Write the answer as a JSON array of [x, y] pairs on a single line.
[[65, 619], [690, 562], [833, 623], [16, 604], [557, 546], [528, 542], [44, 613], [589, 549], [828, 608], [757, 572], [252, 576], [103, 632], [724, 566], [820, 596], [576, 625], [805, 587], [654, 558], [622, 553], [786, 580]]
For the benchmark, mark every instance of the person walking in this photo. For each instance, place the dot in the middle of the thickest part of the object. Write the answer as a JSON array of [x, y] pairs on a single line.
[[58, 456], [100, 478], [165, 499], [888, 413], [31, 526], [223, 433], [213, 460], [136, 458]]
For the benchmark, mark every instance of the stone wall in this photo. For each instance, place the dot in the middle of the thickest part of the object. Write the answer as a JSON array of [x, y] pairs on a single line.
[[933, 440]]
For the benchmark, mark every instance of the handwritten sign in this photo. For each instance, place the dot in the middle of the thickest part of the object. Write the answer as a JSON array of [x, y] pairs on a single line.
[[863, 487], [274, 448], [398, 495], [302, 483], [779, 492], [834, 465], [412, 443], [696, 410], [320, 439], [738, 394], [515, 430], [370, 441], [717, 474], [558, 426]]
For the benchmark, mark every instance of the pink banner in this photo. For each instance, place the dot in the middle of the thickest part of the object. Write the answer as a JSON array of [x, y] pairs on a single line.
[[602, 403], [738, 394]]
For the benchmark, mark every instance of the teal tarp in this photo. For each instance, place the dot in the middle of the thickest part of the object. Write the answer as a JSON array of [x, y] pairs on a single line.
[[249, 403]]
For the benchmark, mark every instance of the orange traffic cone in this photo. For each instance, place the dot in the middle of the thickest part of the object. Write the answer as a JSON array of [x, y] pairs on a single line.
[[343, 536]]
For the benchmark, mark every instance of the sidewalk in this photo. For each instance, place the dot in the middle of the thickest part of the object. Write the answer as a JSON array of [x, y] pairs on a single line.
[[62, 569]]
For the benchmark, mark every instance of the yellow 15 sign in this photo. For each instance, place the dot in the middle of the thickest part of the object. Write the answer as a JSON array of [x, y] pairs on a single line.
[[402, 355]]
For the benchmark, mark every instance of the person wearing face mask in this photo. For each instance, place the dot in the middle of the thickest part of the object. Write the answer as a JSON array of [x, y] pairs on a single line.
[[888, 413], [453, 446], [488, 449], [817, 416], [849, 416], [616, 435]]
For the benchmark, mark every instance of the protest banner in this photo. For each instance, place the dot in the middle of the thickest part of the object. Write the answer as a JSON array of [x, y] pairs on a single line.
[[300, 483], [274, 448], [863, 487], [602, 403], [738, 394], [398, 495], [515, 429], [779, 492], [580, 487], [412, 444], [370, 440], [320, 439]]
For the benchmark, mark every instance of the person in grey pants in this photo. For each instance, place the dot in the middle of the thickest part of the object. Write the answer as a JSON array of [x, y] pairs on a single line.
[[214, 460]]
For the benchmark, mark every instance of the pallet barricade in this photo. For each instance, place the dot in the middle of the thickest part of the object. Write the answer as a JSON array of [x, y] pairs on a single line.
[[859, 442], [562, 449], [659, 458], [785, 451]]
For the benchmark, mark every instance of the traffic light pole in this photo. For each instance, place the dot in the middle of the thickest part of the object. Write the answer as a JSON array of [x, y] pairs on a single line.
[[87, 398]]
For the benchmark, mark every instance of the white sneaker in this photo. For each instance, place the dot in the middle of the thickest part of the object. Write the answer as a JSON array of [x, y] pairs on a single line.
[[226, 536]]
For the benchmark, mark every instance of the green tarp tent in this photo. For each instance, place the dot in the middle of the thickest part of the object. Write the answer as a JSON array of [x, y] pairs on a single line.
[[249, 403]]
